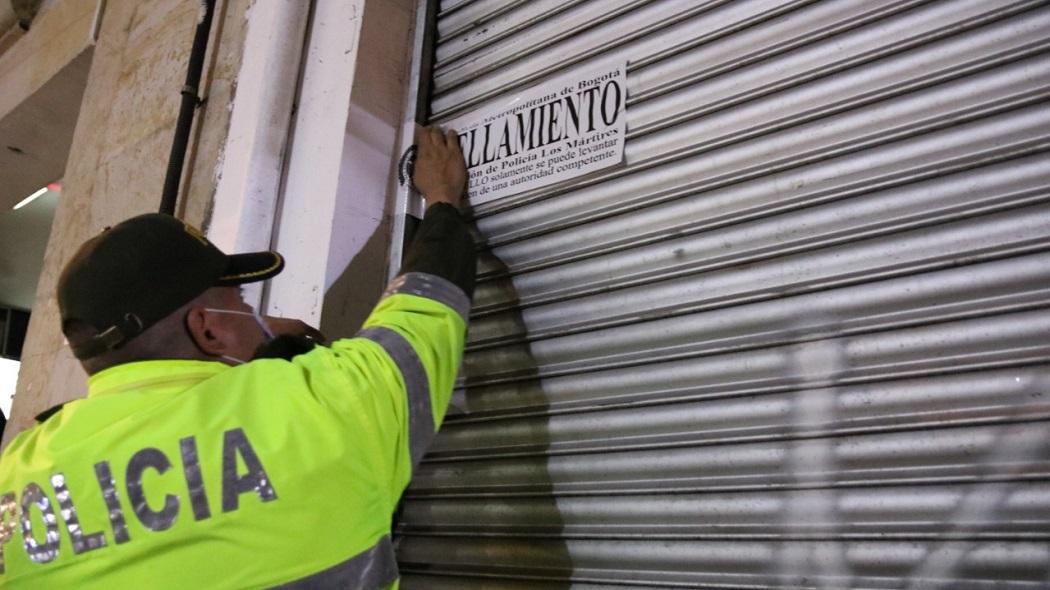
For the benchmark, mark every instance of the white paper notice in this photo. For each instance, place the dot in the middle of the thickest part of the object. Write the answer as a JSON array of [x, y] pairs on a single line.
[[563, 128]]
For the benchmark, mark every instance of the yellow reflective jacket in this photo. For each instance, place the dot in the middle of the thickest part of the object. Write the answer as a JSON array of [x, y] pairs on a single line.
[[194, 474]]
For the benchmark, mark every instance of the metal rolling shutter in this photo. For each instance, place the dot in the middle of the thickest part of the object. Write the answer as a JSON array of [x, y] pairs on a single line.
[[801, 340]]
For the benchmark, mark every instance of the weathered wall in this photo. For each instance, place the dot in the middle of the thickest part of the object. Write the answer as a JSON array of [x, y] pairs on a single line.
[[118, 159]]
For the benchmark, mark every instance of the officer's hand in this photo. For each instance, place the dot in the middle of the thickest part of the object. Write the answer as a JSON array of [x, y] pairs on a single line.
[[440, 173], [293, 327]]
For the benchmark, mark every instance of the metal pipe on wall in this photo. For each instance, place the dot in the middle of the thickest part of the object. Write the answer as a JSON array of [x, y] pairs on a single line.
[[190, 101]]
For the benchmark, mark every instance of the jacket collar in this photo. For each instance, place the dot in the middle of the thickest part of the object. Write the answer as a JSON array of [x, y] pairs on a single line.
[[156, 376]]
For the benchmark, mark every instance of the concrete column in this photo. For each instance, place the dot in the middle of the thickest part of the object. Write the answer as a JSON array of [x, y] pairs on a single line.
[[335, 216]]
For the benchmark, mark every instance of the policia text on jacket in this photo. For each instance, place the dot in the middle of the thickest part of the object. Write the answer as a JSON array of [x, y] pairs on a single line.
[[35, 513]]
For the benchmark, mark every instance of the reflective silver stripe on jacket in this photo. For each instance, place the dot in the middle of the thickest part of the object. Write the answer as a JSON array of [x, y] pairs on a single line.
[[374, 568], [431, 287], [420, 413]]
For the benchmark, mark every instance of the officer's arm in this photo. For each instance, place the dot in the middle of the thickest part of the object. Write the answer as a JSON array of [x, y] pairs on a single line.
[[420, 322]]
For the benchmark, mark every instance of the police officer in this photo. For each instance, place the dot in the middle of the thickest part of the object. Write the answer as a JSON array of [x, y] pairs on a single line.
[[197, 462]]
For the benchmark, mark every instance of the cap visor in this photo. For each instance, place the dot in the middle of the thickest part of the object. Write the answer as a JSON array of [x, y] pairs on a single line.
[[252, 267]]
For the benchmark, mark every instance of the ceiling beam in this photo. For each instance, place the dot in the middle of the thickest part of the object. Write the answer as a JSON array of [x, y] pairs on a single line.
[[58, 36], [42, 80]]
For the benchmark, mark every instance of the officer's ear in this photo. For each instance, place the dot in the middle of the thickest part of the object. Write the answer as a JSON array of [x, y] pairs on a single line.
[[208, 332]]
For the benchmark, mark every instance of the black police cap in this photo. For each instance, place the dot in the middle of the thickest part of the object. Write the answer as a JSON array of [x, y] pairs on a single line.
[[137, 272]]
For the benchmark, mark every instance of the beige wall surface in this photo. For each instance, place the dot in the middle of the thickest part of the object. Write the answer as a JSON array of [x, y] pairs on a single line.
[[119, 156]]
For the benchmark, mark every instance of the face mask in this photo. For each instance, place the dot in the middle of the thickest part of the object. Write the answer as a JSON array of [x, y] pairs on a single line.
[[267, 332]]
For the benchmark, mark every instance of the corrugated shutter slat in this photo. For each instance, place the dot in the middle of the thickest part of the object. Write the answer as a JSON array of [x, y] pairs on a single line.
[[801, 339]]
